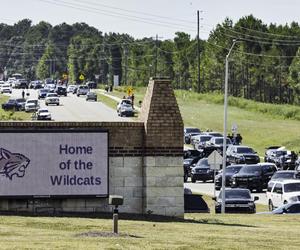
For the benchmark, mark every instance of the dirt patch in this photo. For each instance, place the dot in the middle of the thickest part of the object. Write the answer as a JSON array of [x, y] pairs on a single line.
[[106, 234]]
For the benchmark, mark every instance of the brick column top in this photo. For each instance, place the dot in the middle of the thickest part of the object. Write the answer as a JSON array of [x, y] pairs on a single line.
[[161, 116]]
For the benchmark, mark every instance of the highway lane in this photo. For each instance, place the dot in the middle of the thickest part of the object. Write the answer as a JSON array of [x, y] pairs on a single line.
[[73, 108]]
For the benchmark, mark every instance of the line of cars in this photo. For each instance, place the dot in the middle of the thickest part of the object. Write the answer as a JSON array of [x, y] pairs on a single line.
[[244, 173]]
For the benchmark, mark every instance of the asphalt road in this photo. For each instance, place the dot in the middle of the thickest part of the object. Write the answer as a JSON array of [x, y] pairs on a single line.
[[208, 188], [73, 108]]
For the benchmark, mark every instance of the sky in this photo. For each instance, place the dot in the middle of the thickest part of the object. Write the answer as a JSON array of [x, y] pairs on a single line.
[[148, 18]]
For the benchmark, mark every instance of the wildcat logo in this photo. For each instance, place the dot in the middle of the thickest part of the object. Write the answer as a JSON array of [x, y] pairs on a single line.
[[12, 164]]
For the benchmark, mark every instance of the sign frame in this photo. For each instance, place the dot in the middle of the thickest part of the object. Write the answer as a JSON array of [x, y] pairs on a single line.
[[60, 130]]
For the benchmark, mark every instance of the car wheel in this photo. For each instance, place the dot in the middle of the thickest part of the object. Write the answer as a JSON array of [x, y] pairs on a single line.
[[271, 206], [193, 180], [46, 104], [204, 181], [77, 95]]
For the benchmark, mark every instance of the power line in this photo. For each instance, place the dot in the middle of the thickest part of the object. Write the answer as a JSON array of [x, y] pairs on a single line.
[[116, 14]]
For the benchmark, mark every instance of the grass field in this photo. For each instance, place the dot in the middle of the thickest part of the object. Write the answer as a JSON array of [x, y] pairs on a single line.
[[197, 231], [10, 115], [261, 125]]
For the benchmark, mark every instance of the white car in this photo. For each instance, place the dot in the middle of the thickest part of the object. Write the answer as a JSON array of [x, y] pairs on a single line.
[[5, 88], [124, 108], [43, 114], [282, 191], [52, 98], [70, 88], [82, 90], [32, 105]]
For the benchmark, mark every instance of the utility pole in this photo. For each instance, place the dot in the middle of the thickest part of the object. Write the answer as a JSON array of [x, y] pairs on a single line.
[[156, 55], [198, 50], [126, 64]]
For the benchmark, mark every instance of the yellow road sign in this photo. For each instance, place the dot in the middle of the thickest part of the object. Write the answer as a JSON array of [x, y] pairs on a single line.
[[81, 77], [129, 91]]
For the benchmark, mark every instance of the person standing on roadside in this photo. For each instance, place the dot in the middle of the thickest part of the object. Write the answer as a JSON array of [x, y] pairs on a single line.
[[23, 93], [132, 100]]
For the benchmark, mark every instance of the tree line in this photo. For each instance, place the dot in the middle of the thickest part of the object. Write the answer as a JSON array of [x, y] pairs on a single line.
[[264, 64]]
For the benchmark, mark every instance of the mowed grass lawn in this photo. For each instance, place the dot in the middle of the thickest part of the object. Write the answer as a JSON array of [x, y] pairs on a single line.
[[10, 115], [259, 130], [198, 231]]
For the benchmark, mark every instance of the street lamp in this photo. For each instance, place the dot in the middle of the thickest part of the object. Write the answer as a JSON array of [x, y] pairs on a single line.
[[225, 126]]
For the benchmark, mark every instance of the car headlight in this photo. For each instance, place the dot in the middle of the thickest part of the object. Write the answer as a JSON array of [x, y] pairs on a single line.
[[251, 203], [193, 171]]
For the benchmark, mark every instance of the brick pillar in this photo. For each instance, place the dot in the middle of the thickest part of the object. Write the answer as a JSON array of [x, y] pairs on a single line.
[[163, 159]]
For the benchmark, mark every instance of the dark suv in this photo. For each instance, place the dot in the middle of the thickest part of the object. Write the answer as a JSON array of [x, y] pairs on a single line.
[[242, 155], [202, 171], [254, 176], [61, 90]]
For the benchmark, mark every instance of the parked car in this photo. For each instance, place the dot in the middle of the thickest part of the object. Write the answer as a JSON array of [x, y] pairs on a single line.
[[52, 98], [191, 153], [5, 88], [61, 90], [32, 105], [241, 155], [35, 84], [199, 141], [20, 84], [188, 164], [14, 104], [202, 171], [269, 151], [230, 171], [217, 143], [285, 174], [42, 93], [254, 176], [281, 192], [82, 90], [213, 133], [124, 108], [70, 88], [91, 84], [237, 200], [91, 96], [289, 208], [283, 158], [43, 114], [188, 132]]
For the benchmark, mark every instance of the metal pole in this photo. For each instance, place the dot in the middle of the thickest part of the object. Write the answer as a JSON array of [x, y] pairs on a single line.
[[225, 127], [198, 50], [156, 55], [115, 220]]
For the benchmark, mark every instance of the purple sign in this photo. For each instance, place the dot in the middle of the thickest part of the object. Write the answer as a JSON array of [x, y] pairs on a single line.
[[54, 163]]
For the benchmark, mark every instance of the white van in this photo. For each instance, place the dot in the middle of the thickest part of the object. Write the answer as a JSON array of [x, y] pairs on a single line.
[[282, 191]]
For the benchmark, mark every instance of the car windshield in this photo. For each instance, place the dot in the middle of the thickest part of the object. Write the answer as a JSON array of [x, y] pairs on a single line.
[[220, 141], [283, 175], [21, 100], [43, 111], [243, 150], [230, 170], [236, 194], [205, 138], [192, 130], [292, 187], [250, 169], [280, 153], [32, 101], [126, 102], [203, 163]]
